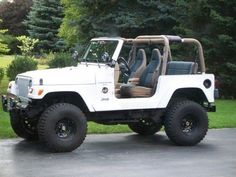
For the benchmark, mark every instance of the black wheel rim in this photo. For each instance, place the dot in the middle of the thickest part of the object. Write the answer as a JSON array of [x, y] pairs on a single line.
[[146, 123], [188, 124], [29, 125], [65, 128]]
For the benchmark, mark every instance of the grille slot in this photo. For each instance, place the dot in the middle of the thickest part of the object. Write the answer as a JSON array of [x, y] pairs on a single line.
[[23, 84]]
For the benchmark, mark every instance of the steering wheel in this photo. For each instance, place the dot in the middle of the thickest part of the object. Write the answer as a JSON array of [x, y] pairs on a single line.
[[124, 67]]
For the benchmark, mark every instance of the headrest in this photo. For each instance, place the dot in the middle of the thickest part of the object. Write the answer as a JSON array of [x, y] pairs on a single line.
[[141, 54], [156, 55]]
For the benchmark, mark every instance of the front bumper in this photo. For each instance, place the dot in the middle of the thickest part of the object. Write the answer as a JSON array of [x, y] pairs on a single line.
[[210, 107], [9, 103]]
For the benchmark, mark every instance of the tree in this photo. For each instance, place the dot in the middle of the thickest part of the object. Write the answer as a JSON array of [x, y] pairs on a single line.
[[213, 23], [27, 45], [43, 23], [86, 19], [3, 46], [13, 13]]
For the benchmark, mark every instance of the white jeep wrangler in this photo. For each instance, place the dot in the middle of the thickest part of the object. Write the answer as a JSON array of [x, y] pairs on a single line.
[[117, 81]]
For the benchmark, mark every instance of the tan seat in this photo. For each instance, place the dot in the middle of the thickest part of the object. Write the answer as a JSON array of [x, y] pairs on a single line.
[[147, 81], [139, 64], [136, 69]]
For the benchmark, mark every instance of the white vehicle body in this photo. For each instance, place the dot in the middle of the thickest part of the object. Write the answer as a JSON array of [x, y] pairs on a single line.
[[89, 79], [54, 105]]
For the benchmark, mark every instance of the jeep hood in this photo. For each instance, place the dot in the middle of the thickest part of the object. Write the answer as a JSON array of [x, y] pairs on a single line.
[[81, 74]]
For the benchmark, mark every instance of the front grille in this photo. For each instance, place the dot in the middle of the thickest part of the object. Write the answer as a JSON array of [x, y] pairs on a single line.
[[23, 86]]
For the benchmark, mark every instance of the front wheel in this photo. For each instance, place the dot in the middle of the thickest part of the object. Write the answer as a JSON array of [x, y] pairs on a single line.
[[186, 123], [62, 127], [24, 127]]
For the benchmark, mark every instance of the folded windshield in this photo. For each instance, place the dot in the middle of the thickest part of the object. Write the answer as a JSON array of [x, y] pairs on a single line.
[[100, 51]]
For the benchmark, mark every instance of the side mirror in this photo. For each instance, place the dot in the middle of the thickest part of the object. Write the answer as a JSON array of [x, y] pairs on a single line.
[[105, 57], [75, 56]]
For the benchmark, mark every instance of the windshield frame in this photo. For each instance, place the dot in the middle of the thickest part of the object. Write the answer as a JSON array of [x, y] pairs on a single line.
[[116, 52]]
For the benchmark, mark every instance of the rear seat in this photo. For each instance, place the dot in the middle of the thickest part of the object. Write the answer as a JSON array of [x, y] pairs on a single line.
[[181, 67]]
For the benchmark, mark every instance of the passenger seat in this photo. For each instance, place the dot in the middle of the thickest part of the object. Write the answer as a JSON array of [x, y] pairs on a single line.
[[148, 79]]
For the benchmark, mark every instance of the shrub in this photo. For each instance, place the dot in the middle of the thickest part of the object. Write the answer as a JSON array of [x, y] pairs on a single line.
[[44, 59], [27, 44], [1, 74], [12, 43], [19, 65], [61, 60]]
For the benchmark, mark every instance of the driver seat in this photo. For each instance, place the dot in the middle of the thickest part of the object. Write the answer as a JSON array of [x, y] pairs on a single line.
[[140, 62], [136, 69], [148, 79]]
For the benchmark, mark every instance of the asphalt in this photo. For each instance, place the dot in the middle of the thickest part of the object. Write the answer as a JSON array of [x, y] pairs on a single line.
[[123, 155]]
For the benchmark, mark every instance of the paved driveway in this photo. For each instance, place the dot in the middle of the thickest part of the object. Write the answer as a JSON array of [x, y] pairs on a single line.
[[123, 155]]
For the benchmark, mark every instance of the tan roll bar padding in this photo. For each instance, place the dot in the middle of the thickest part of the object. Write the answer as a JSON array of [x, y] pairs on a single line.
[[153, 39], [200, 50]]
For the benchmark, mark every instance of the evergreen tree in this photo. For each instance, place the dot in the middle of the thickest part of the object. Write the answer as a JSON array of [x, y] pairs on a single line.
[[213, 23], [43, 23], [86, 19], [3, 46]]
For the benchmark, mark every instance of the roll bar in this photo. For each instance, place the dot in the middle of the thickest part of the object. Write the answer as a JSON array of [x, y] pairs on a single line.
[[166, 40]]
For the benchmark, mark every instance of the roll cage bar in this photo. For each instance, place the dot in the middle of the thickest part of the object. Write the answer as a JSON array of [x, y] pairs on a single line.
[[166, 40]]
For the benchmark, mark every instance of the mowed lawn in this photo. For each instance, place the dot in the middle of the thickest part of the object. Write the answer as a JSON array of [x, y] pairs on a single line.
[[5, 60], [5, 127], [225, 117]]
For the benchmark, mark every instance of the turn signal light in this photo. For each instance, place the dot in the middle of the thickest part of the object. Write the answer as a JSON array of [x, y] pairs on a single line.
[[40, 92]]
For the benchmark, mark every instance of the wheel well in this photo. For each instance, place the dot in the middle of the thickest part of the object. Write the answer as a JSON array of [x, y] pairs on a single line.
[[194, 94], [67, 97]]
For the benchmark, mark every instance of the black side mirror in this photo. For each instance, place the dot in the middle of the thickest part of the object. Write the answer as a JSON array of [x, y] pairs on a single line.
[[75, 56], [105, 57]]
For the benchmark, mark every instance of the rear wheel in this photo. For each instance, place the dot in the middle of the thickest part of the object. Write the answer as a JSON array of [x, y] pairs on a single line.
[[186, 123], [23, 127], [62, 127], [145, 127]]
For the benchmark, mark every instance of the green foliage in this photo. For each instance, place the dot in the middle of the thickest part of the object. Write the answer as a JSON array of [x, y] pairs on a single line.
[[3, 46], [19, 65], [13, 13], [43, 23], [12, 43], [61, 60], [86, 19], [213, 23], [27, 44], [1, 74]]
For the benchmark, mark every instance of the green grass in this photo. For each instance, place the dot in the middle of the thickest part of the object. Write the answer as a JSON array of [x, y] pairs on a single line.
[[7, 132], [225, 117], [5, 127], [5, 60]]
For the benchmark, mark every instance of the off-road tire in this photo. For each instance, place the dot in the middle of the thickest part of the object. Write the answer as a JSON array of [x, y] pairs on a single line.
[[145, 127], [51, 129], [22, 127], [186, 123]]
